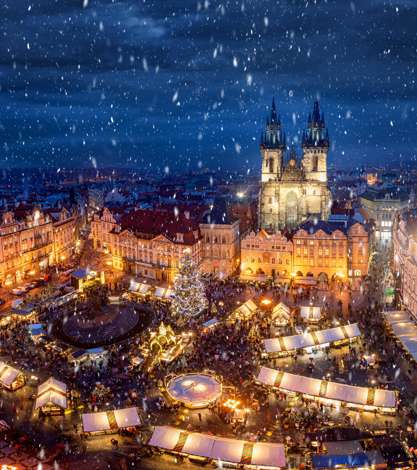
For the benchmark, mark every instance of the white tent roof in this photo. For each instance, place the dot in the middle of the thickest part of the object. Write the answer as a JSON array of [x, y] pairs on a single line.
[[309, 339], [51, 398], [54, 384], [52, 392], [165, 437], [95, 422], [8, 374], [310, 312], [246, 310], [219, 448], [405, 330], [281, 310], [228, 450], [268, 455], [127, 417], [331, 390]]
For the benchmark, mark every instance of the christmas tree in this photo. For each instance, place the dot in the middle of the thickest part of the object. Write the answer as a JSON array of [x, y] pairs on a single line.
[[189, 298]]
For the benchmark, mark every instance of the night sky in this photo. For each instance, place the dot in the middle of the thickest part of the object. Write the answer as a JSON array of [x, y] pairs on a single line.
[[186, 84]]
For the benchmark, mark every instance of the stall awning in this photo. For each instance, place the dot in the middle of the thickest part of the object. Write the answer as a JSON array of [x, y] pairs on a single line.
[[266, 455], [8, 374], [127, 417], [404, 329], [310, 313], [310, 339], [52, 392], [281, 310], [245, 311], [323, 389], [95, 422]]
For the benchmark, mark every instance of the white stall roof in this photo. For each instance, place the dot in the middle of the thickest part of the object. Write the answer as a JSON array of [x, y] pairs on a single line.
[[310, 312], [262, 454], [199, 444], [51, 398], [8, 374], [330, 390], [281, 309], [246, 310], [52, 383], [165, 437], [95, 422], [228, 450], [405, 330], [309, 339], [51, 392], [268, 455], [127, 417]]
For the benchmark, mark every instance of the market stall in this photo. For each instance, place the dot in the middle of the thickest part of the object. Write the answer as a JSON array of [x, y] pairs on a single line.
[[11, 378], [285, 345], [281, 314], [245, 312], [404, 329], [163, 293], [310, 313], [110, 421], [139, 288], [229, 451], [330, 393], [51, 397]]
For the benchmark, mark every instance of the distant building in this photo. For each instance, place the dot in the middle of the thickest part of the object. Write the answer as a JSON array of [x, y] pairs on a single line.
[[32, 240], [380, 206], [323, 251], [292, 192]]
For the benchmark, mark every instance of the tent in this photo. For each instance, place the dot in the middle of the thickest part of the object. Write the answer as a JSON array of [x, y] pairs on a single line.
[[11, 378], [139, 288], [163, 293], [262, 454], [281, 314], [127, 418], [95, 422], [51, 397], [324, 391], [287, 344], [245, 311], [358, 460], [404, 329], [310, 313]]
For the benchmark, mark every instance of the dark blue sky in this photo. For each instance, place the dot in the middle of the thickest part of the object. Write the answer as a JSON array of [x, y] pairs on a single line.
[[178, 82]]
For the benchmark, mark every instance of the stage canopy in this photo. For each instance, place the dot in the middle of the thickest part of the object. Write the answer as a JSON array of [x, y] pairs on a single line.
[[263, 454], [8, 374], [322, 389], [285, 344], [52, 392]]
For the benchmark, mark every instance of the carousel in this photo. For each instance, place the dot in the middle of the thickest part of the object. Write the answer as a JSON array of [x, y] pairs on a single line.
[[194, 390]]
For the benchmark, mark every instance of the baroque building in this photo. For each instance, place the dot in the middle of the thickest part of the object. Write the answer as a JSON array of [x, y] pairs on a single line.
[[293, 191], [31, 240], [321, 251]]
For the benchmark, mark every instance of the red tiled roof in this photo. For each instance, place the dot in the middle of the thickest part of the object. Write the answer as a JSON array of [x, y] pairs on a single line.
[[159, 222]]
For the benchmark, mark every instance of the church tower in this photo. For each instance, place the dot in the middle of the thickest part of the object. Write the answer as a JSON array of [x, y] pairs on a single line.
[[315, 144], [272, 147]]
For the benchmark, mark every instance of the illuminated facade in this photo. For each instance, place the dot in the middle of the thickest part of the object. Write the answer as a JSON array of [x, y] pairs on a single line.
[[145, 243], [322, 251], [405, 258], [30, 241], [292, 192]]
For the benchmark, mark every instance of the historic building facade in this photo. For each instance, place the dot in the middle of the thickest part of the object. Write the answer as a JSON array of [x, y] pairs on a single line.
[[321, 251], [33, 240], [146, 243], [291, 191], [404, 243]]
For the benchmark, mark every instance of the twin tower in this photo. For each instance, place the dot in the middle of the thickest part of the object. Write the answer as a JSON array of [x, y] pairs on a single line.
[[292, 192]]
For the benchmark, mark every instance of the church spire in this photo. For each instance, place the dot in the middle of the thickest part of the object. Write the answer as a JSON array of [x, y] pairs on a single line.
[[273, 135], [316, 134]]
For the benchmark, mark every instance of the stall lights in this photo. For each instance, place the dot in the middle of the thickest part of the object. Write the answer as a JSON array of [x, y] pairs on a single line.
[[266, 301]]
